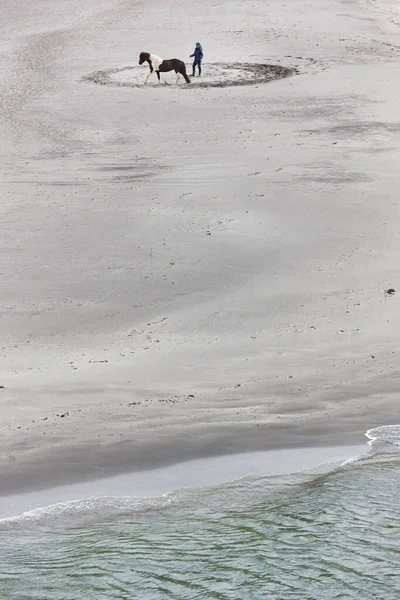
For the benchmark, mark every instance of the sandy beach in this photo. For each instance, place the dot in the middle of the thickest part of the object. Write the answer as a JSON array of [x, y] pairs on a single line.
[[195, 270]]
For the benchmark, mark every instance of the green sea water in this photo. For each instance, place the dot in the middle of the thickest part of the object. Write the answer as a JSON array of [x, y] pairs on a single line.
[[303, 537]]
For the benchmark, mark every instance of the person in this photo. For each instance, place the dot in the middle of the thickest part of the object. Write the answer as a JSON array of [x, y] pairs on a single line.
[[198, 57]]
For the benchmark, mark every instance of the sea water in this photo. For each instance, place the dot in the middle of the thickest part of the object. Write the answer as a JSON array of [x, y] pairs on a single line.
[[302, 536]]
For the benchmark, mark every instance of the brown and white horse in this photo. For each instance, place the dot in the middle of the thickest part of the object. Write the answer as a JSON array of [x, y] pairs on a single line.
[[158, 65]]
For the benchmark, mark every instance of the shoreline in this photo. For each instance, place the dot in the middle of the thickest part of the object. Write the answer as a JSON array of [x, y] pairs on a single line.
[[185, 475], [96, 444], [155, 448]]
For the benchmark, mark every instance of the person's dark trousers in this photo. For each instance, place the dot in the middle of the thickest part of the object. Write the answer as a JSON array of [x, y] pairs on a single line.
[[198, 63]]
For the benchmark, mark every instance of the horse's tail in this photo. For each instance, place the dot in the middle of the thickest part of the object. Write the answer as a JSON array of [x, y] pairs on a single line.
[[183, 72]]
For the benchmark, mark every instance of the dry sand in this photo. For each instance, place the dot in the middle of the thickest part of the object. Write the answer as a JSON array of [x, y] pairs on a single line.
[[190, 271]]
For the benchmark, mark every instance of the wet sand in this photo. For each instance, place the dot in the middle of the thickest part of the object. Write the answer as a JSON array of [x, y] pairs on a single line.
[[195, 272], [83, 501]]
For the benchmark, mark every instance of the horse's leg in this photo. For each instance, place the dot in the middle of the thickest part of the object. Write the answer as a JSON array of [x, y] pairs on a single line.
[[151, 72], [158, 75], [177, 76], [182, 71]]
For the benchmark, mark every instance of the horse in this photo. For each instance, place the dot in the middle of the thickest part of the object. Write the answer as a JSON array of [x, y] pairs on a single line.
[[159, 65]]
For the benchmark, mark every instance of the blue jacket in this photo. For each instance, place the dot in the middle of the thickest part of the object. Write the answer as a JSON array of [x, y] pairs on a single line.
[[198, 53]]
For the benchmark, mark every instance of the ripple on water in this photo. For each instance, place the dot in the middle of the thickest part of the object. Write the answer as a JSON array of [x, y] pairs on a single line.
[[296, 537]]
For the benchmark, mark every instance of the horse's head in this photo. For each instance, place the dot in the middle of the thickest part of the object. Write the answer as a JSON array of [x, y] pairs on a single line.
[[143, 57]]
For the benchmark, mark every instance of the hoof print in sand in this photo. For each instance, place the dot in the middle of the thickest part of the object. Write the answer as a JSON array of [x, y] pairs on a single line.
[[217, 75]]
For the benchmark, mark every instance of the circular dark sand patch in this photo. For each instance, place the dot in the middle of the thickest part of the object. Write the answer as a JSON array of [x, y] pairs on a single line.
[[215, 75]]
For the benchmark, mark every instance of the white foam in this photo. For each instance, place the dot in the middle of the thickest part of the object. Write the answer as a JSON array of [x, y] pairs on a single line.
[[385, 438], [73, 513]]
